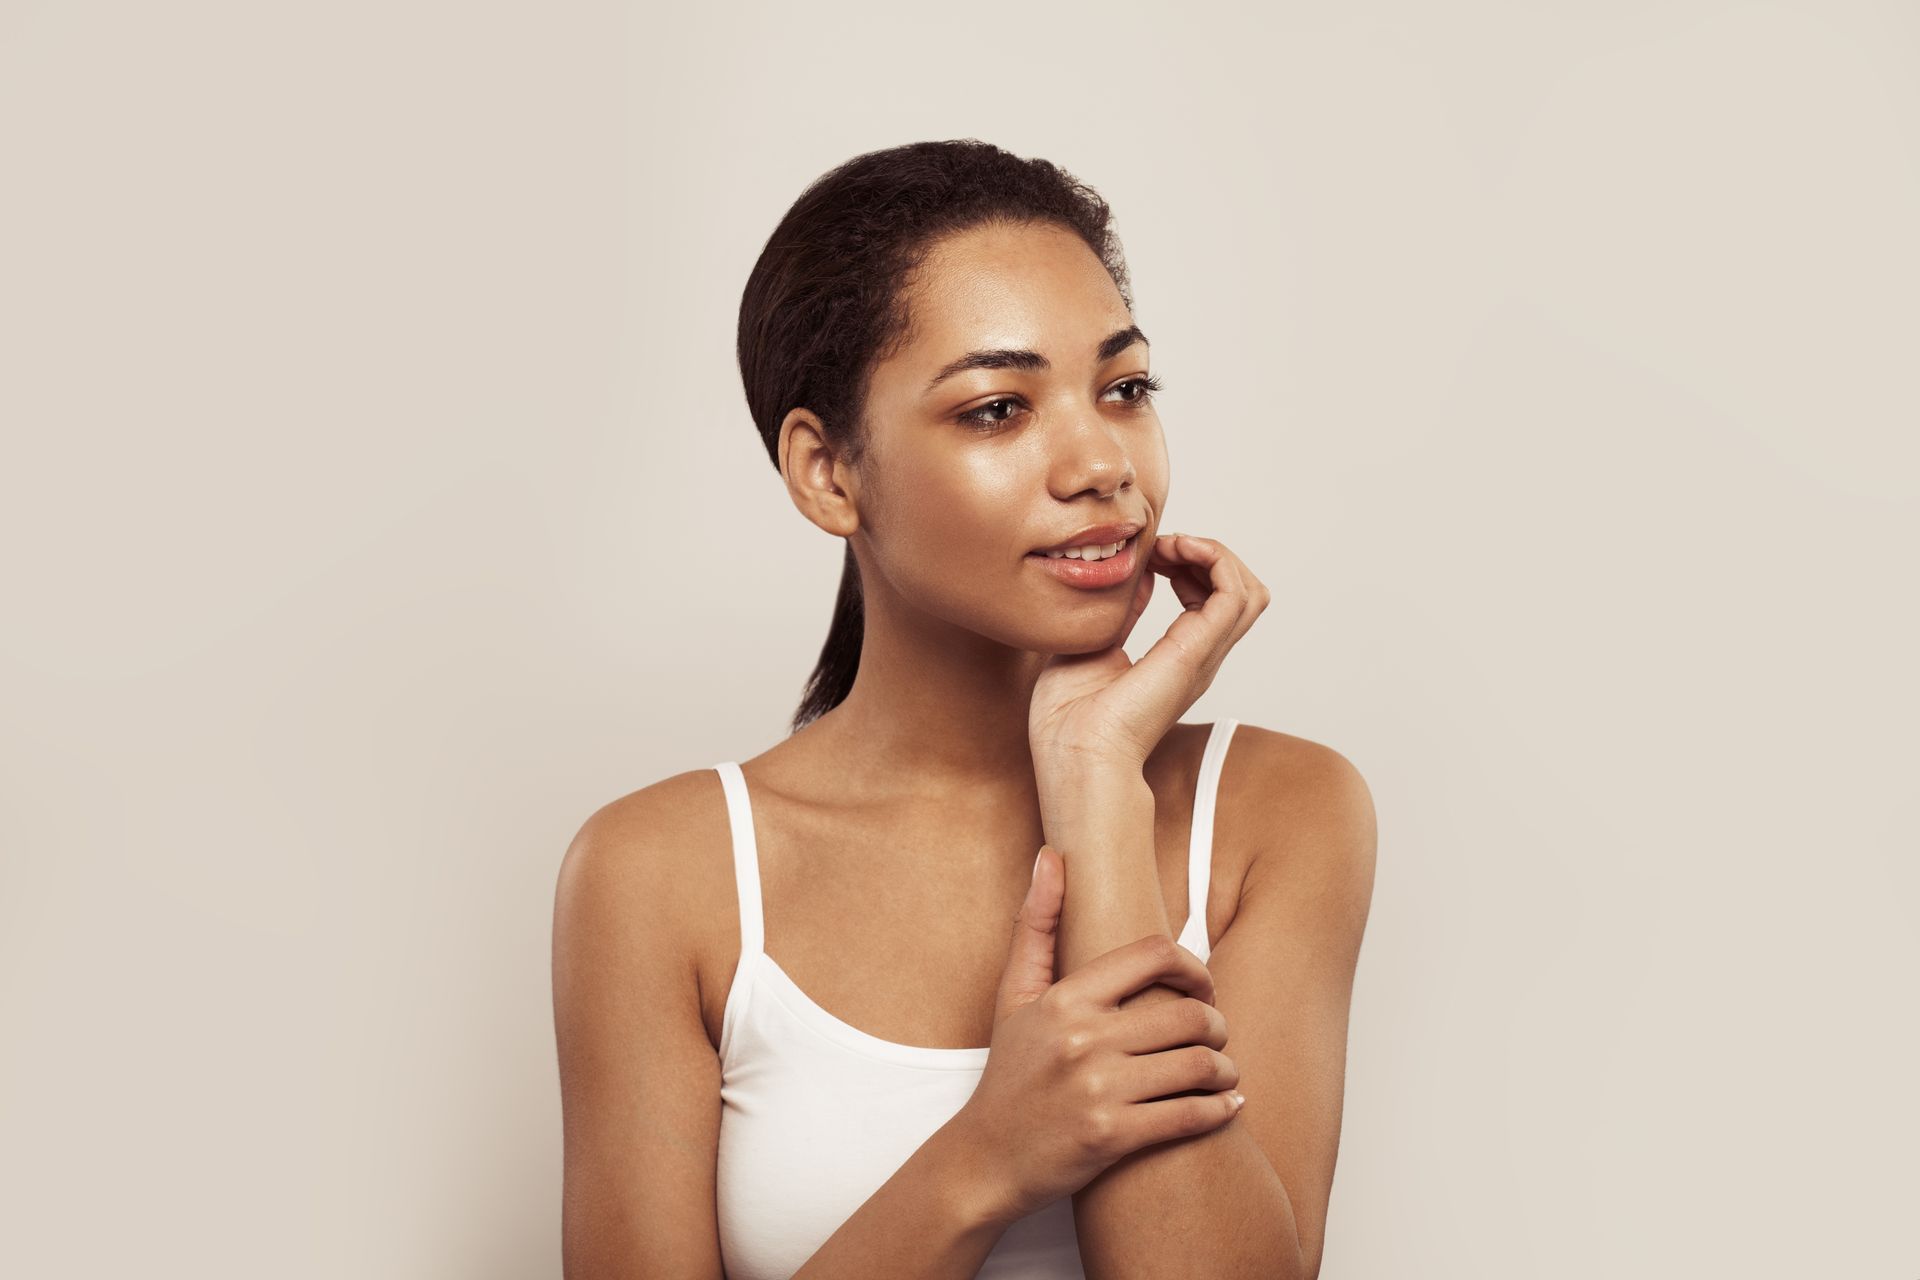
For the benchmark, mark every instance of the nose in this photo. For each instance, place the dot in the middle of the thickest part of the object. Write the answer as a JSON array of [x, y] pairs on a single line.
[[1089, 456]]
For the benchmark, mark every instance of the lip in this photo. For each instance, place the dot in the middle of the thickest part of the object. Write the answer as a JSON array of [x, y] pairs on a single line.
[[1097, 535], [1092, 575]]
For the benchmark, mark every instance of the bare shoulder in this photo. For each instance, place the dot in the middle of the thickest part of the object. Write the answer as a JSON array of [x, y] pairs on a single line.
[[1291, 802], [643, 828], [656, 860], [1284, 971], [638, 1073]]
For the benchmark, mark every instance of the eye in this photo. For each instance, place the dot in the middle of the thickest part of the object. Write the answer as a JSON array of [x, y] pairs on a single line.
[[1146, 389], [995, 413], [984, 417]]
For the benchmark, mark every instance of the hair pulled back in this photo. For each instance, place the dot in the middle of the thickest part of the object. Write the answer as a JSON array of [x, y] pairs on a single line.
[[826, 301]]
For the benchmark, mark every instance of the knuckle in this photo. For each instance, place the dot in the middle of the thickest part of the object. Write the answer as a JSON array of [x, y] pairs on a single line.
[[1160, 948], [1099, 1129], [1076, 1044], [1199, 1018]]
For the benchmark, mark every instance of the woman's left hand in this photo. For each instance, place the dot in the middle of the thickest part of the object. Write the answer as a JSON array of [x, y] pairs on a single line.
[[1105, 708]]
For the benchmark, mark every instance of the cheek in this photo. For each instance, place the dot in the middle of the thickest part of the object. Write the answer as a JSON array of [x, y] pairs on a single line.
[[1154, 460], [1150, 475], [962, 504], [952, 532]]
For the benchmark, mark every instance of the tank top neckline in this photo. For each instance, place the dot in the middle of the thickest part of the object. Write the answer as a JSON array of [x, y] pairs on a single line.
[[755, 961]]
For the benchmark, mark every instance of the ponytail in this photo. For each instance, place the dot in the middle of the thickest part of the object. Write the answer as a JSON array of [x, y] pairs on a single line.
[[839, 662]]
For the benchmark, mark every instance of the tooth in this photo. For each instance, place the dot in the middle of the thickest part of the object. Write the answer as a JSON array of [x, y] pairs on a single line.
[[1094, 551]]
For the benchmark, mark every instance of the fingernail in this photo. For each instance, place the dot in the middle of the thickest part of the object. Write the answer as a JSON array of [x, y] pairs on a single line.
[[1036, 869], [1239, 1100]]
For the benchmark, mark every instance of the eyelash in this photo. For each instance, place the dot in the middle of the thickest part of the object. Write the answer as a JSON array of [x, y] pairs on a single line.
[[976, 418]]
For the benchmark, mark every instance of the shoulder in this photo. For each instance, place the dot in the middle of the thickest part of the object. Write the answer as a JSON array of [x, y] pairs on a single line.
[[647, 861], [643, 834], [1298, 807], [638, 1072]]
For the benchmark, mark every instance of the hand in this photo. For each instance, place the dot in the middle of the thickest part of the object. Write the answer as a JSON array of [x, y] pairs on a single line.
[[1071, 1082], [1105, 705]]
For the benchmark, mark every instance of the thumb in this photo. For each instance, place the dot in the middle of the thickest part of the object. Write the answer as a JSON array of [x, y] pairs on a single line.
[[1029, 970]]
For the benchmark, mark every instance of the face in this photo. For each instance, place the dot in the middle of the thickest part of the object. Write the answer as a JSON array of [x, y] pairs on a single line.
[[1016, 415]]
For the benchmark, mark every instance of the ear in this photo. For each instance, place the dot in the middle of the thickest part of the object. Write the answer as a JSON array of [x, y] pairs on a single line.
[[821, 484]]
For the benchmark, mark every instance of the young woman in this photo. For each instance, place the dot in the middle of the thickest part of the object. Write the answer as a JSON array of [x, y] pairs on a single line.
[[794, 1037]]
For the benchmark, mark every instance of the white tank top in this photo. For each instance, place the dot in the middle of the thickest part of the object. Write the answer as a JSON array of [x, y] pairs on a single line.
[[816, 1114]]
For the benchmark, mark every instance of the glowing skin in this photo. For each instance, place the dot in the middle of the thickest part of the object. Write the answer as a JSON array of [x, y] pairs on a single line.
[[962, 479], [953, 507]]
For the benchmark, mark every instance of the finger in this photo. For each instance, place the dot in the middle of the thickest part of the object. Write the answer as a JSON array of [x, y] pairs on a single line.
[[1163, 1121], [1178, 667], [1030, 955], [1109, 978], [1167, 1024], [1201, 568], [1189, 578], [1199, 639], [1176, 1071], [1142, 593], [1207, 577], [1252, 595], [1252, 592]]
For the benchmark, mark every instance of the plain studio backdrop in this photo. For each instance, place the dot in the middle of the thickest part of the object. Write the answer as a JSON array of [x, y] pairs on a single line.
[[380, 499]]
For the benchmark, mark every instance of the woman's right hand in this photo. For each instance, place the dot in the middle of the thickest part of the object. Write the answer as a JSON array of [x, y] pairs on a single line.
[[1072, 1080]]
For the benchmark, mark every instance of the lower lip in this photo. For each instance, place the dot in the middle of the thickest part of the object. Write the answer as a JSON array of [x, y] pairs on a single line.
[[1091, 575]]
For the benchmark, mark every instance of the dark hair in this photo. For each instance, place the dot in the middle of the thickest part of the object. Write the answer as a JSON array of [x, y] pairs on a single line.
[[826, 301]]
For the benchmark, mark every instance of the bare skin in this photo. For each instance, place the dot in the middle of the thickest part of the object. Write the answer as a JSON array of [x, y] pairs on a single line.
[[897, 832], [839, 913]]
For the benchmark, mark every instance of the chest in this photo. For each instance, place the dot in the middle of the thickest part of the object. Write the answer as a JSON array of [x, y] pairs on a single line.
[[898, 925]]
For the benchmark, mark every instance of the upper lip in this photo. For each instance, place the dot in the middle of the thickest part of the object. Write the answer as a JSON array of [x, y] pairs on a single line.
[[1097, 535]]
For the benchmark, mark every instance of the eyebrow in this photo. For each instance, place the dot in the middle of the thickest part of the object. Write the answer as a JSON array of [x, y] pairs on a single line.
[[1008, 358]]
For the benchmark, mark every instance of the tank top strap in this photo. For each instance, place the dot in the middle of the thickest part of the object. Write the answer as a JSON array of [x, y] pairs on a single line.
[[746, 858], [1200, 843]]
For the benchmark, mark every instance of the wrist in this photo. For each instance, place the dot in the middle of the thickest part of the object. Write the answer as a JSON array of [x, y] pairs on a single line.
[[975, 1201], [1084, 808], [1078, 759]]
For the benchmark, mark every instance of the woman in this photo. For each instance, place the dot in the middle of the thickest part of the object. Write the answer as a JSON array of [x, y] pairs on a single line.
[[939, 352]]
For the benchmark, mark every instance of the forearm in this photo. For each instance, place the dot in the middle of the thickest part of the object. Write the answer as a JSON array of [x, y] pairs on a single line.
[[1206, 1205], [932, 1219]]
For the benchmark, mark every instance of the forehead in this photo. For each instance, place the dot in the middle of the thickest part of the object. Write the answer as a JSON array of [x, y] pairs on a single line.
[[1034, 285]]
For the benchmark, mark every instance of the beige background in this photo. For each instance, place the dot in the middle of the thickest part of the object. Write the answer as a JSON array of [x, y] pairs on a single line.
[[380, 499]]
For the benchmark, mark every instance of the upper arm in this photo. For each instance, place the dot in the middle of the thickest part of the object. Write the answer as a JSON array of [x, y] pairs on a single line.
[[1284, 968], [639, 1081]]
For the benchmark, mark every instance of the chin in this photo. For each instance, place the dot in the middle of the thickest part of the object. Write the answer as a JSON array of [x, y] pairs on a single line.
[[1089, 634]]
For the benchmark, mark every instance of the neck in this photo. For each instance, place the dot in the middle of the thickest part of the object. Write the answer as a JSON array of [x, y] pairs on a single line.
[[951, 701]]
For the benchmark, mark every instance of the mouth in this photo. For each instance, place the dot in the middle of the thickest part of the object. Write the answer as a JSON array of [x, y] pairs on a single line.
[[1091, 575]]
